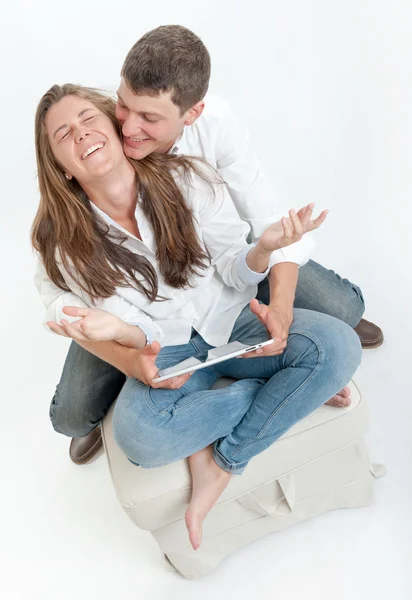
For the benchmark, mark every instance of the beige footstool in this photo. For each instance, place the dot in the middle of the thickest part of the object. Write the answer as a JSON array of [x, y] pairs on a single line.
[[320, 464]]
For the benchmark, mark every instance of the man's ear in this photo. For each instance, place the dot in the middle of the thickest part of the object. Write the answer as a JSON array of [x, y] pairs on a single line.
[[194, 113]]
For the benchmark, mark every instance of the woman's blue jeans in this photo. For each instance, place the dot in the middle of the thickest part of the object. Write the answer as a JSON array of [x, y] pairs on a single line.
[[89, 386], [158, 426]]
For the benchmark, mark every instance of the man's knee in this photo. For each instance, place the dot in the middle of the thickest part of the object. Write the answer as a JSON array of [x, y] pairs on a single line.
[[69, 417], [87, 388], [324, 291]]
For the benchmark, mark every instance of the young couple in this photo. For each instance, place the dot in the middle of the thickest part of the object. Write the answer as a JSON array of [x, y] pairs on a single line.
[[144, 262]]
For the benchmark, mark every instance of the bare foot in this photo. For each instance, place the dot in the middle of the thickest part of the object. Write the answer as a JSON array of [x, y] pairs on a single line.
[[341, 399], [208, 482]]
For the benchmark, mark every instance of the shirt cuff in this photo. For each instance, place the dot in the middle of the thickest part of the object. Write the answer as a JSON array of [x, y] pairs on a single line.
[[298, 253], [246, 274], [151, 330]]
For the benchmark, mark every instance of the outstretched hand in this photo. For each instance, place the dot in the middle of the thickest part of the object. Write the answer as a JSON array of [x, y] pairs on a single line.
[[99, 325], [290, 230], [93, 325]]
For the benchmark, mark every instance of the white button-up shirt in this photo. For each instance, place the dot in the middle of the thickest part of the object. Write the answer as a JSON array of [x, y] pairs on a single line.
[[218, 137], [213, 302]]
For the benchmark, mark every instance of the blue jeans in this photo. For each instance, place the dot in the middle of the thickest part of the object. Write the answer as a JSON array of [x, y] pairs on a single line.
[[88, 385], [158, 426]]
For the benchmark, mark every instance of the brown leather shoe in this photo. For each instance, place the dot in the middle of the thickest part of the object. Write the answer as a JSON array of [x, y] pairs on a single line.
[[370, 335], [84, 448]]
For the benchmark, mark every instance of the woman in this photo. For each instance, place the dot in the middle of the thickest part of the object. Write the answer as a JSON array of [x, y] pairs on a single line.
[[154, 249]]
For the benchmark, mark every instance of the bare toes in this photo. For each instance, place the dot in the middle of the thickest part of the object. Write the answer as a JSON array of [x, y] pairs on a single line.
[[339, 402]]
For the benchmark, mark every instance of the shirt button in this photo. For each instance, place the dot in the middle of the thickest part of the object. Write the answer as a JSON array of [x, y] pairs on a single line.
[[176, 294]]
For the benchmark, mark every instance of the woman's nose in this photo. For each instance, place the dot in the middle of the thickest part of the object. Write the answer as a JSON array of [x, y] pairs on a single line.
[[81, 135]]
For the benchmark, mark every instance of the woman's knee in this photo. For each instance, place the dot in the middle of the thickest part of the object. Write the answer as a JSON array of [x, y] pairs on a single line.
[[137, 426], [143, 446], [329, 341]]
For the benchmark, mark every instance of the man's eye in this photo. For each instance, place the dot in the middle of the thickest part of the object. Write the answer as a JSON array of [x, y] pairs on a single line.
[[150, 120]]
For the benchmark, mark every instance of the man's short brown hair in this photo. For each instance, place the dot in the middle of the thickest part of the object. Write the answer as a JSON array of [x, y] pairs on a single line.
[[172, 59]]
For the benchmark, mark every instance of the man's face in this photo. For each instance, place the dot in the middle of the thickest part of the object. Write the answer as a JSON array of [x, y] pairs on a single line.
[[149, 124]]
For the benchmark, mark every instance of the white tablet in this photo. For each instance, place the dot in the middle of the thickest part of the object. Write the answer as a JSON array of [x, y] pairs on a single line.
[[212, 357]]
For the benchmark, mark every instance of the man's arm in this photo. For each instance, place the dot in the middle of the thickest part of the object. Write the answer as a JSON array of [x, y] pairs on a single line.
[[277, 317], [121, 357], [283, 279]]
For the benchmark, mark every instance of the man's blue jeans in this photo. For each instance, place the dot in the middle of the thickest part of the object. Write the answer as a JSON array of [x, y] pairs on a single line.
[[88, 385], [157, 426]]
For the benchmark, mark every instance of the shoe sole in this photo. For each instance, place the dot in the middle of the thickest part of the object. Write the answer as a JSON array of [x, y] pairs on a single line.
[[372, 344], [81, 460]]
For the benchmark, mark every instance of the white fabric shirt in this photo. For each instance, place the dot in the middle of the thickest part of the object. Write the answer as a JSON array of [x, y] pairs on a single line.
[[218, 137], [211, 305], [216, 300]]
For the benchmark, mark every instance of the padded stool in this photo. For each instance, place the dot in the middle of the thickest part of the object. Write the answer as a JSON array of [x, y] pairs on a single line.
[[319, 464]]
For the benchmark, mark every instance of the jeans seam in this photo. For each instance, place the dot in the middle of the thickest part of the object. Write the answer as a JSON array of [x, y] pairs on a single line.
[[195, 402], [150, 404], [286, 401]]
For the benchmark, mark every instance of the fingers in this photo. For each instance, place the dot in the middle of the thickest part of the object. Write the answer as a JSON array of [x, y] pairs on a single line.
[[56, 328], [73, 331], [153, 348], [174, 383], [307, 215], [262, 353], [271, 350], [75, 311], [297, 226], [287, 230], [319, 220], [304, 215], [258, 309]]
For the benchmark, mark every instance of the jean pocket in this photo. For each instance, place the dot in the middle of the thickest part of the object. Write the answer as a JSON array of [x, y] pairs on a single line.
[[161, 401]]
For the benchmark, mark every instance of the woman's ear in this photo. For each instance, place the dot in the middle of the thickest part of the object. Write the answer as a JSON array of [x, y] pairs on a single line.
[[68, 176]]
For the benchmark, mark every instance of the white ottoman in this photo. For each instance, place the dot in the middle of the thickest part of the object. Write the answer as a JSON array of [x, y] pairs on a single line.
[[320, 464]]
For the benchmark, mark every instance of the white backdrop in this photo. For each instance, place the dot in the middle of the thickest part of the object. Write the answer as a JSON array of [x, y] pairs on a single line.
[[325, 88]]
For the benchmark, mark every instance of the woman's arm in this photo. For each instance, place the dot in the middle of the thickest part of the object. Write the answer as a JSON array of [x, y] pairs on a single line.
[[224, 234], [128, 354]]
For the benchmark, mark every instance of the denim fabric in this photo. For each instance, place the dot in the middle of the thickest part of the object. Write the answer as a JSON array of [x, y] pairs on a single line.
[[325, 291], [88, 385], [157, 426]]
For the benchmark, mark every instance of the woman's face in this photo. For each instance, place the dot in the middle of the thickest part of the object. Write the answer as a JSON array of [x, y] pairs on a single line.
[[82, 139]]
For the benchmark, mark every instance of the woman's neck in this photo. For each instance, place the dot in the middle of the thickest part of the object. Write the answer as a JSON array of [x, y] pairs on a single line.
[[115, 194]]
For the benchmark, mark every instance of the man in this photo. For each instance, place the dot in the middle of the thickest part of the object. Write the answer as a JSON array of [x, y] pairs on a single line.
[[162, 108]]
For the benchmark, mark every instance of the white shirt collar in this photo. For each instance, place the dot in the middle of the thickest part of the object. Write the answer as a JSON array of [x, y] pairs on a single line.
[[176, 148]]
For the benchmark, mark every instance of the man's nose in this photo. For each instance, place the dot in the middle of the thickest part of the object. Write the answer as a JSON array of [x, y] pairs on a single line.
[[131, 126]]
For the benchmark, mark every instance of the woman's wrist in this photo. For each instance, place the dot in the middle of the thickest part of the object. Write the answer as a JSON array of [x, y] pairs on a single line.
[[257, 259]]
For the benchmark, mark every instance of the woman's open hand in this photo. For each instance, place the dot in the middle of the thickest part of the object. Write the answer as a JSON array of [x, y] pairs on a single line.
[[290, 230], [94, 325]]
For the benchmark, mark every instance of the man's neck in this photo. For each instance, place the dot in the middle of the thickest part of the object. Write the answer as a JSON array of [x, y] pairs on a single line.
[[167, 148]]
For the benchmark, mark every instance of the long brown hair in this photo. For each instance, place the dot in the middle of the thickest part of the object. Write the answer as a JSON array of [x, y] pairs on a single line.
[[66, 225]]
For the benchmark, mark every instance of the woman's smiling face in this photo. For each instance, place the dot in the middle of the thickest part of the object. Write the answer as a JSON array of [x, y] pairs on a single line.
[[82, 139]]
